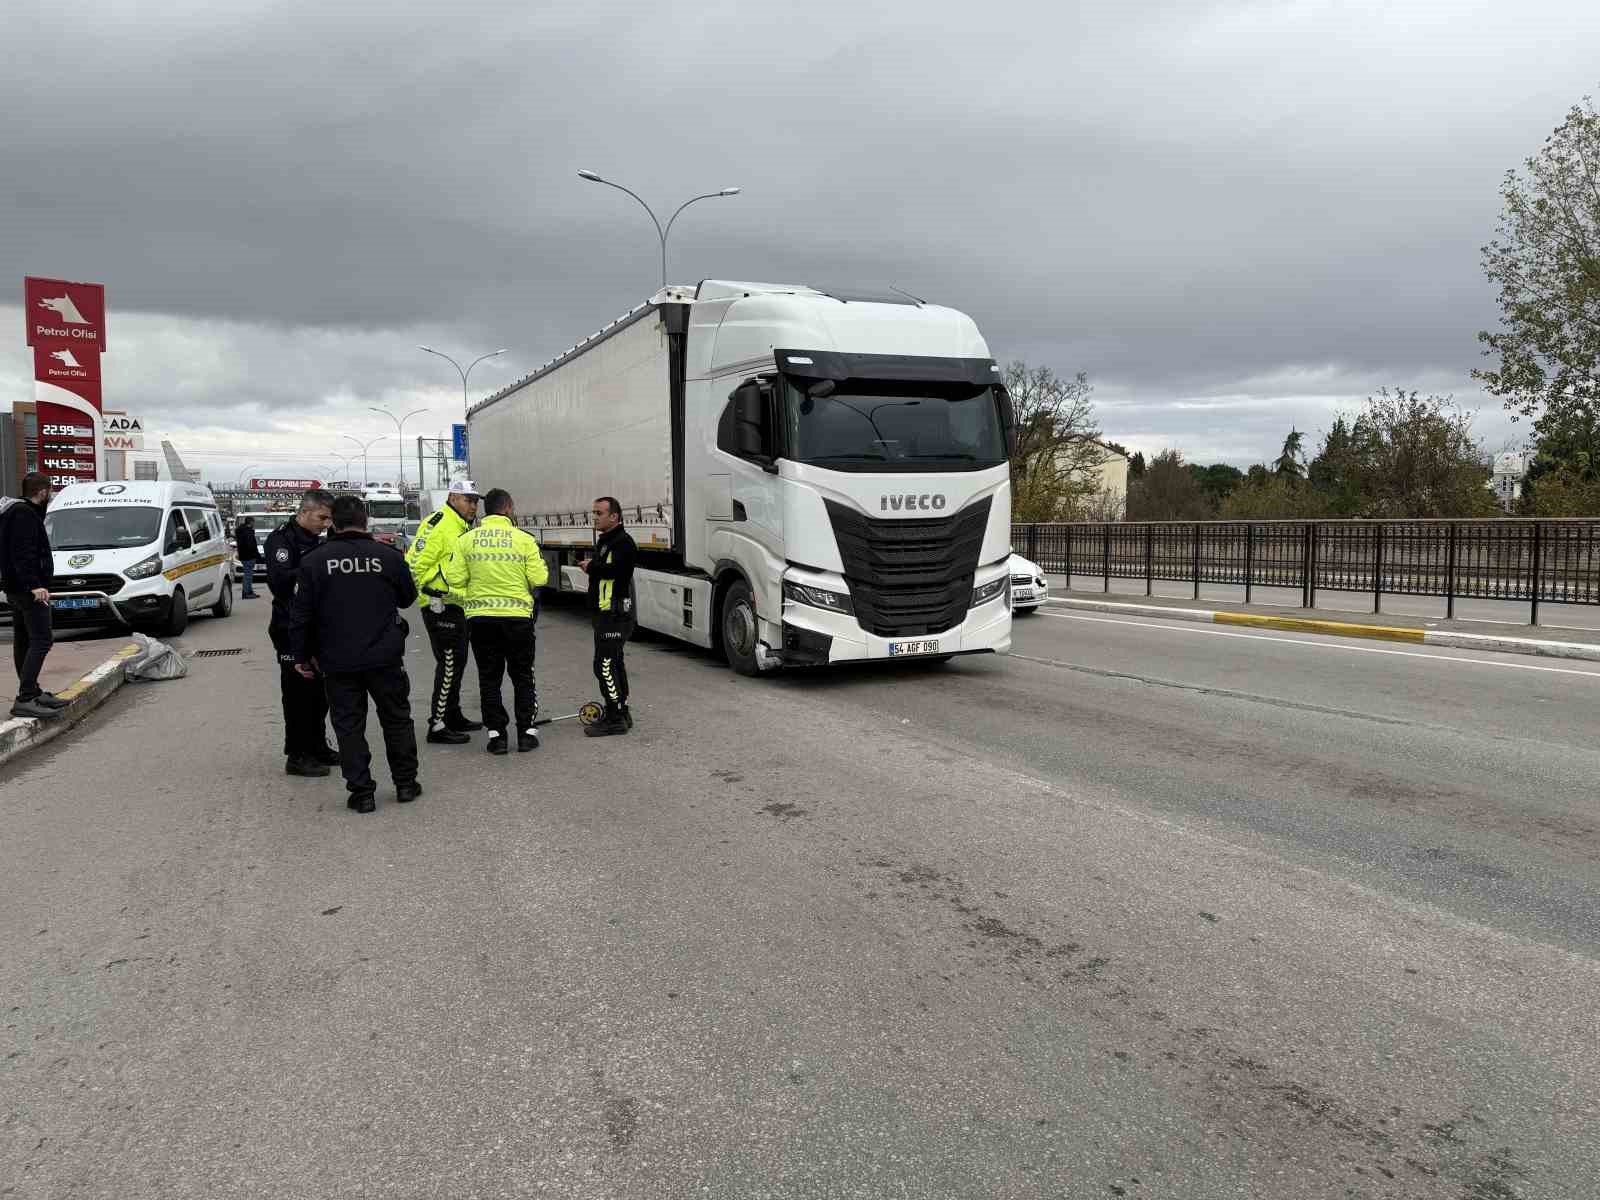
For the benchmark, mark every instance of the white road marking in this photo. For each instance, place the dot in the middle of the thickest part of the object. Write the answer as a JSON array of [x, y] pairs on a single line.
[[1324, 644]]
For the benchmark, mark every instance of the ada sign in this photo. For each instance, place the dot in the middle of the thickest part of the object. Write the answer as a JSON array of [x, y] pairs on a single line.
[[122, 423], [62, 315]]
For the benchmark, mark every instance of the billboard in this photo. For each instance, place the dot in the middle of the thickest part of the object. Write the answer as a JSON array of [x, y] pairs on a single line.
[[284, 485], [458, 443], [65, 324], [121, 431]]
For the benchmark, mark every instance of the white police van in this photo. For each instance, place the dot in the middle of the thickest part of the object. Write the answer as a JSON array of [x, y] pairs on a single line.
[[144, 555]]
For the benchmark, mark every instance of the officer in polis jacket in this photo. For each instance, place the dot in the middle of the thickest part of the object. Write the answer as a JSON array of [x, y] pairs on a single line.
[[345, 622]]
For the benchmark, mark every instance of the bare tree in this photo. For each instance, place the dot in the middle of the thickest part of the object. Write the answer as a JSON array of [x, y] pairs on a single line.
[[1056, 468]]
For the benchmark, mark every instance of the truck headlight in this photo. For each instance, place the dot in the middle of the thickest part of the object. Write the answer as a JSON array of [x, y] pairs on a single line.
[[144, 568], [815, 597], [989, 591]]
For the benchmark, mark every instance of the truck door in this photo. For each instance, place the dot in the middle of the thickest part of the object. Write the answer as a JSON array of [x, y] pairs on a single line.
[[747, 451]]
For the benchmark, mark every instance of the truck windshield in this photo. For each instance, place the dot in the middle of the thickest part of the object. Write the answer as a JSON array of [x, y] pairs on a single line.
[[872, 425], [111, 528], [386, 510]]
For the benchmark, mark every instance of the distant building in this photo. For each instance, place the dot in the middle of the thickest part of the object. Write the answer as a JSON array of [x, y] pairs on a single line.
[[1108, 499], [1510, 470]]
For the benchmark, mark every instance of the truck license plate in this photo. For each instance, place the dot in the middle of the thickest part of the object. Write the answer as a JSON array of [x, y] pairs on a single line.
[[75, 602], [896, 649]]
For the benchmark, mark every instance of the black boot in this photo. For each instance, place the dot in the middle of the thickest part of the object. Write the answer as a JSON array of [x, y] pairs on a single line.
[[363, 802], [405, 793], [610, 725], [306, 767], [458, 723], [445, 736], [527, 739], [627, 715], [497, 742]]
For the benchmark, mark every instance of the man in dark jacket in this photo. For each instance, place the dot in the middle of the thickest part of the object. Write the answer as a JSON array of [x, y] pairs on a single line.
[[614, 612], [27, 568], [345, 623], [305, 703], [244, 545]]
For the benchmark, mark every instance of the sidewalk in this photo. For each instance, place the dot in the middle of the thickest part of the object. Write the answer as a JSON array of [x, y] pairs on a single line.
[[1461, 634], [83, 670]]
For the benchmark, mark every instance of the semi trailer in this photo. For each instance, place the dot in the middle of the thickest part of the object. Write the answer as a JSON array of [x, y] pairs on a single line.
[[811, 477]]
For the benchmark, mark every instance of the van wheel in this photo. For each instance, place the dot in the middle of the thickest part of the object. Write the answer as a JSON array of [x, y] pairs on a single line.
[[178, 620], [740, 628], [224, 604]]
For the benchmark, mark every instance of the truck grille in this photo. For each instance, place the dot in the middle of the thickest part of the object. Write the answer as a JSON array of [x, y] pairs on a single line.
[[109, 584], [910, 577]]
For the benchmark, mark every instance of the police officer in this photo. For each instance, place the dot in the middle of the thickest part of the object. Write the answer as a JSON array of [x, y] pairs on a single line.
[[345, 625], [441, 610], [305, 706], [499, 568], [614, 612]]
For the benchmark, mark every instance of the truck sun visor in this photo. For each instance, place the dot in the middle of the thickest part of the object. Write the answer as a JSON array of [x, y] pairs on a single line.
[[905, 368]]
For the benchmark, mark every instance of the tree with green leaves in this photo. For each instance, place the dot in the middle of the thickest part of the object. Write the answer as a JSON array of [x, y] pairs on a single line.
[[1271, 497], [1288, 465], [1217, 481], [1545, 260], [1414, 456], [1136, 467], [1055, 470], [1168, 492]]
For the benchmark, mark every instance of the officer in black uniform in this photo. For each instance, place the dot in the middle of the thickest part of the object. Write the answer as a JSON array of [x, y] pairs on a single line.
[[613, 608], [346, 626], [305, 705]]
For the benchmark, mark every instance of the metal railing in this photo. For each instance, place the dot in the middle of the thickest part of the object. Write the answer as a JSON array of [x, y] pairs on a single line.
[[1533, 562]]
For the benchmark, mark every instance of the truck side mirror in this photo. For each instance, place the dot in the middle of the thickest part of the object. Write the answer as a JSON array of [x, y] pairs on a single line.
[[750, 422]]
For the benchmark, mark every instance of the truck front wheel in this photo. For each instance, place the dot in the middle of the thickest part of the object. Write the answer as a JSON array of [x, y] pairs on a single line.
[[740, 628]]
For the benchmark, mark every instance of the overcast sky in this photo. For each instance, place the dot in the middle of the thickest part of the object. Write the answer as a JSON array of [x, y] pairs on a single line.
[[1234, 216]]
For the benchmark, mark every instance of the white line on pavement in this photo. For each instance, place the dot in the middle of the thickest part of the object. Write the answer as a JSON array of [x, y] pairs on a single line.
[[1324, 644]]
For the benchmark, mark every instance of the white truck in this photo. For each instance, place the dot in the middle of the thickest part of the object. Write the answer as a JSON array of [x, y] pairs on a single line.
[[811, 477]]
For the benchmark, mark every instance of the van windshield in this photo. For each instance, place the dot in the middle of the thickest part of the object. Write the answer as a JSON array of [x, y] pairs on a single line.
[[111, 528]]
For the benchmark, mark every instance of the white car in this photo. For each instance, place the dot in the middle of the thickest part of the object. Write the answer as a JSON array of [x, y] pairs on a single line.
[[1028, 588]]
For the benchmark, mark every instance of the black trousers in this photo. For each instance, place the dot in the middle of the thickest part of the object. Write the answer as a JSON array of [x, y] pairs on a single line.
[[447, 634], [31, 639], [501, 645], [610, 636], [390, 690], [305, 704]]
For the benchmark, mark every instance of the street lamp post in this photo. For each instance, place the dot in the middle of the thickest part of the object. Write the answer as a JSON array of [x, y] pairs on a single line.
[[365, 446], [465, 402], [661, 232], [400, 438]]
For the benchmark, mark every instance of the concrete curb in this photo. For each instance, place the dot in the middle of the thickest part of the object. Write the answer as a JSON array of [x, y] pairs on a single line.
[[1385, 633], [21, 733]]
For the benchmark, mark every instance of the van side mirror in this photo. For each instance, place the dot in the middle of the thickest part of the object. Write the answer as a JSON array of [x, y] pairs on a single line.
[[752, 426]]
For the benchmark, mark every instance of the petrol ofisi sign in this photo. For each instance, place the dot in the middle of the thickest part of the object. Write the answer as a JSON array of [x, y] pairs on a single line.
[[65, 324]]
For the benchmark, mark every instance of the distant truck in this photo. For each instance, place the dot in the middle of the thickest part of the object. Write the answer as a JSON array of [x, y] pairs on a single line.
[[811, 477], [386, 515]]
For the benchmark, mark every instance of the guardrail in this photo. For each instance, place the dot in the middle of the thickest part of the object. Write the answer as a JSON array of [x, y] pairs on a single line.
[[1535, 562]]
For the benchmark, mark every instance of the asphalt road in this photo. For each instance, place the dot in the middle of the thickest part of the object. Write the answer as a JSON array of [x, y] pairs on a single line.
[[1146, 910]]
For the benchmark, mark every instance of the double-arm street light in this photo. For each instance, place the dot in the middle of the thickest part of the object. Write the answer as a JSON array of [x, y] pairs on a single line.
[[365, 446], [662, 232], [463, 372], [400, 438]]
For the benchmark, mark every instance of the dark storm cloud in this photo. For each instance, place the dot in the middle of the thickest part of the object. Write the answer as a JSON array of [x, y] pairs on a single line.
[[1231, 215]]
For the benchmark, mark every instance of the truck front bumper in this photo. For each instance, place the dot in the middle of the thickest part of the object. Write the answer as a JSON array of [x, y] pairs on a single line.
[[814, 636]]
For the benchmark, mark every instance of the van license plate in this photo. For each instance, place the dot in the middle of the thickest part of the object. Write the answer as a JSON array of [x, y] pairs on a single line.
[[75, 602], [896, 649]]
